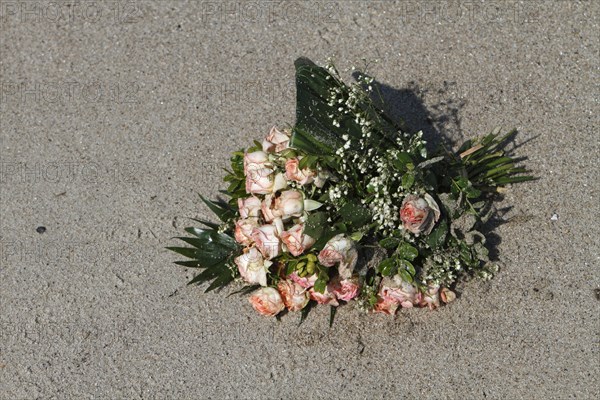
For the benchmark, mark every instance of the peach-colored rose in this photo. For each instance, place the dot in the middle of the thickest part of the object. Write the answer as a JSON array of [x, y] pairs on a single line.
[[447, 295], [249, 207], [276, 141], [345, 289], [295, 240], [253, 267], [400, 291], [431, 297], [267, 301], [243, 230], [285, 205], [293, 172], [419, 215], [306, 282], [340, 249], [323, 298], [267, 241], [386, 306], [294, 296]]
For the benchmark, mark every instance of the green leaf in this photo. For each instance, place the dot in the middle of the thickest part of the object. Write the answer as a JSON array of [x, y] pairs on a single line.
[[408, 180], [389, 242], [388, 266], [316, 224], [320, 285], [189, 264], [207, 223], [314, 131], [291, 266], [438, 236], [402, 161], [407, 266], [406, 276], [355, 214], [407, 252]]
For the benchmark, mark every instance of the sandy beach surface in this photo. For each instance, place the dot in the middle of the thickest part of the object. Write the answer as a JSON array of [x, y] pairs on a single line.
[[114, 115]]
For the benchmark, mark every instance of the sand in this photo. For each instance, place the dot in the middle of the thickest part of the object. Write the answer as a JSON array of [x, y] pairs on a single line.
[[115, 115]]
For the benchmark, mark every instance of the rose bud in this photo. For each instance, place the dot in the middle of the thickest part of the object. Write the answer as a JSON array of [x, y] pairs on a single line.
[[431, 298], [447, 295], [249, 207], [253, 267], [267, 301], [306, 282], [293, 172], [276, 141], [400, 291], [294, 296], [295, 240], [243, 230], [345, 289], [419, 215], [339, 249], [267, 241], [386, 306], [325, 298]]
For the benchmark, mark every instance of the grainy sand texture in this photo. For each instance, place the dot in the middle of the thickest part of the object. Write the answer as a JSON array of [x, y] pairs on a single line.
[[114, 115]]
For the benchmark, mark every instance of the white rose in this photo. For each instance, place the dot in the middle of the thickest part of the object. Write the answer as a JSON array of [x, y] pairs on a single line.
[[253, 267]]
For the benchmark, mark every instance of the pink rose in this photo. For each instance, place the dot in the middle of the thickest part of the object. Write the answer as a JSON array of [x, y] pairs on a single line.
[[399, 291], [419, 215], [345, 289], [323, 298], [267, 301], [339, 249], [295, 241], [386, 306], [294, 296], [267, 241], [249, 207], [293, 172], [253, 267], [276, 141], [306, 282], [285, 205], [243, 230]]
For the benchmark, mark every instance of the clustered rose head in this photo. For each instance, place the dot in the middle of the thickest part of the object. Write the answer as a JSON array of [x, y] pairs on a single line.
[[272, 222], [419, 214]]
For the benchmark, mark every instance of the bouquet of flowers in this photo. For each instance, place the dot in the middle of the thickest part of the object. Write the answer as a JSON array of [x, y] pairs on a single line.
[[345, 205]]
